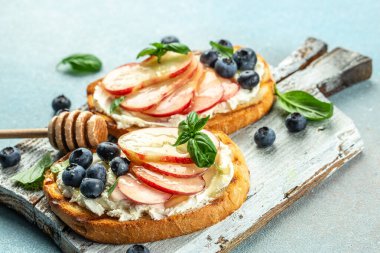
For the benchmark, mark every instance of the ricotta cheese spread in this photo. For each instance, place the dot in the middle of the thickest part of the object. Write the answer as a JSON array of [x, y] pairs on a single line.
[[124, 119], [217, 179]]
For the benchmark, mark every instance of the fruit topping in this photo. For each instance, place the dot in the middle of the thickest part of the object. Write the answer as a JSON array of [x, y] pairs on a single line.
[[209, 93], [117, 195], [230, 89], [91, 187], [107, 151], [225, 43], [174, 185], [73, 175], [264, 137], [175, 200], [245, 59], [119, 166], [175, 170], [150, 96], [153, 144], [97, 171], [295, 122], [173, 104], [61, 111], [60, 102], [248, 79], [225, 67], [82, 157], [138, 248], [141, 193], [135, 76], [9, 156], [209, 57], [169, 39]]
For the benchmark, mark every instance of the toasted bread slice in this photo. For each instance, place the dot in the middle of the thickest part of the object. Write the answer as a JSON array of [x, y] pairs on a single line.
[[227, 122], [105, 229]]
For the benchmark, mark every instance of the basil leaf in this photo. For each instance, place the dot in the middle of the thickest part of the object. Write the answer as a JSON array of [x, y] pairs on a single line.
[[159, 49], [225, 51], [305, 104], [58, 167], [32, 178], [178, 48], [192, 119], [115, 105], [182, 139], [182, 127], [201, 123], [202, 150], [112, 188], [82, 62]]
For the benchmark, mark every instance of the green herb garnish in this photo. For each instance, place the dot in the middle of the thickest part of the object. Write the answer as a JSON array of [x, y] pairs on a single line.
[[112, 188], [159, 49], [115, 105], [305, 104], [200, 147], [58, 167], [32, 178], [82, 63], [224, 51]]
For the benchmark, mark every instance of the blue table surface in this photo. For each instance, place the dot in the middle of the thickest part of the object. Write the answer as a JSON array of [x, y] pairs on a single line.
[[341, 215]]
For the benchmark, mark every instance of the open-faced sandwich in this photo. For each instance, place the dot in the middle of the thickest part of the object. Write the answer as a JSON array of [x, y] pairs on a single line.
[[232, 85], [156, 183]]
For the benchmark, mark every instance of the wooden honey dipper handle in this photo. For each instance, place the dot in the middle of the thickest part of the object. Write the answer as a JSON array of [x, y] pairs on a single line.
[[24, 133]]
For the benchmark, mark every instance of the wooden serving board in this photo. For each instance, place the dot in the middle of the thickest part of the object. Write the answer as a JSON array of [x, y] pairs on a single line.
[[280, 174]]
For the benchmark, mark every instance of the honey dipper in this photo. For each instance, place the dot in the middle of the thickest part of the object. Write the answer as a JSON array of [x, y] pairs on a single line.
[[67, 131]]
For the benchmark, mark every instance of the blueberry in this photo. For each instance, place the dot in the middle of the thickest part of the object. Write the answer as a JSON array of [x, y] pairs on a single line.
[[91, 187], [264, 137], [225, 67], [169, 39], [295, 122], [73, 175], [82, 157], [61, 111], [97, 171], [245, 58], [107, 151], [138, 248], [209, 57], [225, 43], [248, 79], [9, 157], [119, 166], [61, 102]]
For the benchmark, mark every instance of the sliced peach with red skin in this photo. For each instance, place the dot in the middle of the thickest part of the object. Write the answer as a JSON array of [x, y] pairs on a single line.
[[230, 88], [139, 192], [150, 96], [134, 76], [172, 185], [175, 169]]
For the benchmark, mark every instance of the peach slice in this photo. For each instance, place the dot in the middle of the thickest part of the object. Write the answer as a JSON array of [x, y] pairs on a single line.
[[230, 89], [140, 193], [173, 185], [175, 170], [134, 76]]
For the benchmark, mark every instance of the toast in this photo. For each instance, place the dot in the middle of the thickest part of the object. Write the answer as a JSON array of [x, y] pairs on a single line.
[[105, 229], [228, 122]]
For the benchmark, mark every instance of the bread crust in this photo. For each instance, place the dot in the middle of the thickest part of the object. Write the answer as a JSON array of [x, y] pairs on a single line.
[[226, 122], [105, 229]]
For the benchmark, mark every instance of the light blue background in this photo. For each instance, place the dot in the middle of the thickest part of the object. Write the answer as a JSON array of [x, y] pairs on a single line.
[[341, 215]]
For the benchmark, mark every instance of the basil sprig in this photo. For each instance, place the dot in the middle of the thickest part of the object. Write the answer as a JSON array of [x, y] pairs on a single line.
[[159, 49], [222, 50], [113, 187], [200, 147], [305, 104], [32, 178], [82, 63]]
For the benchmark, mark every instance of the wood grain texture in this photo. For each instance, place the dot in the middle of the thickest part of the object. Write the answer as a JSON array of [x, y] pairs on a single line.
[[280, 174]]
